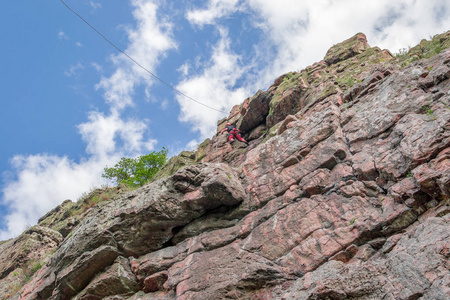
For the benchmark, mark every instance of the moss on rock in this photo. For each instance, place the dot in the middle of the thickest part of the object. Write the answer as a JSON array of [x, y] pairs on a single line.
[[185, 158]]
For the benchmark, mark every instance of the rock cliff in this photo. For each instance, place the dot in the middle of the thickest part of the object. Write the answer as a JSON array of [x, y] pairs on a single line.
[[343, 193]]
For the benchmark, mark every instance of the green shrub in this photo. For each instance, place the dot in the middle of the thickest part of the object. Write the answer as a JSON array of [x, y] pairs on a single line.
[[427, 110], [36, 267], [135, 172]]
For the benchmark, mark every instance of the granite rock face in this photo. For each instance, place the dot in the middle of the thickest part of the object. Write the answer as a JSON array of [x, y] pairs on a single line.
[[343, 193]]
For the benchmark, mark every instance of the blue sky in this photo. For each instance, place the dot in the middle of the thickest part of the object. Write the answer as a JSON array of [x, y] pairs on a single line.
[[72, 104]]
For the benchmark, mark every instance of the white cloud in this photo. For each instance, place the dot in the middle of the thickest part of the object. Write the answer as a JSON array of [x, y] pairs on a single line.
[[216, 9], [149, 43], [184, 69], [164, 104], [100, 133], [62, 35], [193, 145], [74, 70], [95, 5], [119, 88], [215, 87], [416, 20], [97, 67], [44, 181]]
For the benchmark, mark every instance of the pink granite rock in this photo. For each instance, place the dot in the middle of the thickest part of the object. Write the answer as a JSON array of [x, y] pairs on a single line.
[[343, 193]]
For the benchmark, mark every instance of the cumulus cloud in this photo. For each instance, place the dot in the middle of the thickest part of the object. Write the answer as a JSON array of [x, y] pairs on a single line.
[[184, 69], [74, 70], [148, 45], [215, 9], [43, 181], [102, 132], [215, 86]]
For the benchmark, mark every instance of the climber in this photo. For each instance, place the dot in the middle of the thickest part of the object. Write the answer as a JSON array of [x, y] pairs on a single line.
[[233, 132]]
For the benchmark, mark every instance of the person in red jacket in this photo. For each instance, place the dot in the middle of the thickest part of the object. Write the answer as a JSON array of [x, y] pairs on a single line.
[[233, 132]]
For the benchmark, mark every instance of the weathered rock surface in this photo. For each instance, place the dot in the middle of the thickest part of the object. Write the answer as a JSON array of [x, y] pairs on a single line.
[[22, 257], [343, 193], [416, 267]]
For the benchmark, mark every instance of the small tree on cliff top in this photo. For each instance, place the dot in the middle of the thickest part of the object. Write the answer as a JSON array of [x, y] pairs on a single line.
[[135, 172]]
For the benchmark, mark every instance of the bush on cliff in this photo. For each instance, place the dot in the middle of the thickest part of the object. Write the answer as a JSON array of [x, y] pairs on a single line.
[[135, 172]]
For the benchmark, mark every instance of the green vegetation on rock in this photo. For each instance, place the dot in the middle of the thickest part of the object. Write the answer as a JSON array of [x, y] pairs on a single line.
[[425, 49], [135, 172], [68, 214], [185, 158]]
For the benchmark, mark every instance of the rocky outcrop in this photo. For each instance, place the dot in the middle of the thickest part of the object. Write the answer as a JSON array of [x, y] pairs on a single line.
[[22, 257], [142, 221], [347, 49], [343, 193]]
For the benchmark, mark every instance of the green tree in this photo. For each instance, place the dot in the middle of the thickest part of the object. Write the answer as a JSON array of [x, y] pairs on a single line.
[[137, 171]]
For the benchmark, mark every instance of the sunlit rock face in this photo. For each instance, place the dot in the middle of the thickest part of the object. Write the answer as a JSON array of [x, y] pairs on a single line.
[[342, 193]]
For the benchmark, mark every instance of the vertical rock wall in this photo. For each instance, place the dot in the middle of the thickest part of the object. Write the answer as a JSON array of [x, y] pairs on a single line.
[[343, 193]]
